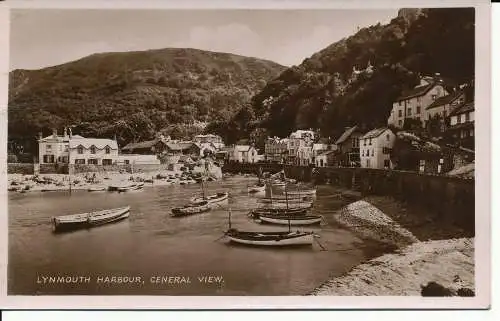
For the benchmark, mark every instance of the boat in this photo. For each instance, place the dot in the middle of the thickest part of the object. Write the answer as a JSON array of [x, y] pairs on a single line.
[[283, 205], [275, 238], [96, 189], [256, 213], [88, 220], [307, 192], [190, 209], [257, 188], [290, 219], [293, 200], [214, 199], [132, 187]]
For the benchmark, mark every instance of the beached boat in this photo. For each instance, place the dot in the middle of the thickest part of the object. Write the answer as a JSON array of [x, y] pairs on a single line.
[[293, 220], [295, 238], [97, 189], [91, 219], [215, 199], [132, 187], [191, 209]]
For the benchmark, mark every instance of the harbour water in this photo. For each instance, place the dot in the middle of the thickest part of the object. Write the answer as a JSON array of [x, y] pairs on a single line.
[[161, 255]]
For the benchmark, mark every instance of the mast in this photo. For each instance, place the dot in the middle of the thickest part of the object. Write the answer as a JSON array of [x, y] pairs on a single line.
[[286, 199], [229, 218]]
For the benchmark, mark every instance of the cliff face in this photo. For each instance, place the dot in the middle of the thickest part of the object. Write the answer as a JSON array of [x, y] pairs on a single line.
[[355, 80]]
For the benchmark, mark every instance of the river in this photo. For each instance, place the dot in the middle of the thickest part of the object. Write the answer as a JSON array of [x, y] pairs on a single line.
[[150, 246]]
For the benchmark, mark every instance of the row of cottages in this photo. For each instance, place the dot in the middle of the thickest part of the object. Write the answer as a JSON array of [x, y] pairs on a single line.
[[75, 149]]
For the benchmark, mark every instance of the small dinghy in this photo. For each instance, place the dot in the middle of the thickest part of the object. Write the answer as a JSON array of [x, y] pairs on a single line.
[[97, 189], [290, 219], [215, 199], [88, 220], [191, 209], [132, 187]]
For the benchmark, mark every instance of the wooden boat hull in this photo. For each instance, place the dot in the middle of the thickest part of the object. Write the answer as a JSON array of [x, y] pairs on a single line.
[[191, 210], [131, 188], [213, 200], [279, 239], [88, 220], [279, 211], [96, 189], [290, 220], [290, 206]]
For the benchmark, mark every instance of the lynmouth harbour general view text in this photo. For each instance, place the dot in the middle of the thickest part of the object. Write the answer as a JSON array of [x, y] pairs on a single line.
[[242, 152]]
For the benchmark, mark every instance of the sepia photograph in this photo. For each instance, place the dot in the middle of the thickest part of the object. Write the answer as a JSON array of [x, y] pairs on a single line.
[[272, 152]]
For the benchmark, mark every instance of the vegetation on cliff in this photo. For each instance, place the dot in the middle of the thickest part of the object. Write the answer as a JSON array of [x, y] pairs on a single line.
[[134, 94]]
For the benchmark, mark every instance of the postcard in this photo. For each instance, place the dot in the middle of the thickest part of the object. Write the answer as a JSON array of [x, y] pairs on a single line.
[[237, 155]]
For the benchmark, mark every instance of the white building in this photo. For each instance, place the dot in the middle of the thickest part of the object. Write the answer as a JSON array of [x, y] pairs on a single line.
[[244, 154], [210, 138], [75, 149], [375, 148]]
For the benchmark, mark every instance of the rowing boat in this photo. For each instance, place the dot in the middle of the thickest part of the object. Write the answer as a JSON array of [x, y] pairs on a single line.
[[290, 219], [87, 220], [191, 209], [270, 238]]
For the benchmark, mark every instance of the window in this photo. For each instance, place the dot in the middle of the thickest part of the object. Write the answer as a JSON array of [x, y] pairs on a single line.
[[48, 147], [418, 100], [66, 148], [80, 161], [363, 153], [93, 161], [126, 162], [418, 109], [462, 118], [364, 142], [471, 133], [400, 113], [370, 142], [373, 152], [108, 150], [409, 111], [388, 137], [386, 163], [453, 120], [400, 123], [48, 159], [467, 117], [92, 149], [80, 150]]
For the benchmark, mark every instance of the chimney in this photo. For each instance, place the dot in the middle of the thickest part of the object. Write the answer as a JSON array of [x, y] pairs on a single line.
[[40, 135], [54, 132]]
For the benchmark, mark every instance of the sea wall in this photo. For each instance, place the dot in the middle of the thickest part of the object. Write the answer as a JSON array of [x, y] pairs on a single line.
[[449, 200]]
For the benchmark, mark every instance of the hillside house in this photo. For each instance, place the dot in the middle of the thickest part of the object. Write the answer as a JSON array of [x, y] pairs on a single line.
[[412, 103], [461, 130], [215, 140], [348, 147], [376, 147], [182, 148], [243, 154], [149, 147], [441, 108]]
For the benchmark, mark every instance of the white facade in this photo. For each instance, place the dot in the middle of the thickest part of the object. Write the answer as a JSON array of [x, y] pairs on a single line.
[[415, 104], [137, 159], [210, 138], [375, 148]]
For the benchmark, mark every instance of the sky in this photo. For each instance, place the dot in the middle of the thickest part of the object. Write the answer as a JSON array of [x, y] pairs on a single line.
[[46, 37]]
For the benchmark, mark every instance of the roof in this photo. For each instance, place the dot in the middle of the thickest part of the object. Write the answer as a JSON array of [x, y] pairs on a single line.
[[99, 143], [375, 132], [416, 92], [61, 138], [140, 145], [328, 152], [448, 99], [180, 145], [346, 135], [463, 108]]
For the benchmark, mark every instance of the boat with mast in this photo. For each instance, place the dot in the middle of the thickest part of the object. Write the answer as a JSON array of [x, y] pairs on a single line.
[[275, 238], [260, 186], [215, 200]]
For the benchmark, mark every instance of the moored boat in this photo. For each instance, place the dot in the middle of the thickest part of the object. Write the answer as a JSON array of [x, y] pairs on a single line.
[[132, 187], [87, 220], [295, 238], [278, 211], [191, 209], [306, 192], [215, 199], [96, 189], [292, 220], [290, 206]]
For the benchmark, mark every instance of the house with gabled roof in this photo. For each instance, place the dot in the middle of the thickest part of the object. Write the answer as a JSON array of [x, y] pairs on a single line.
[[441, 108], [461, 129], [348, 147], [375, 148], [412, 103]]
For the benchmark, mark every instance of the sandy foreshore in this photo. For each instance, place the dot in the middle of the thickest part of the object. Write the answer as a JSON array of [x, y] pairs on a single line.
[[84, 181], [448, 262]]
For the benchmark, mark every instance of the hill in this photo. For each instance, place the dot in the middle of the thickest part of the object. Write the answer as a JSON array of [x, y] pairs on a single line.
[[336, 87], [134, 94]]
